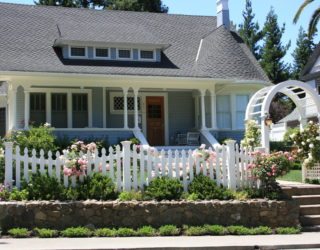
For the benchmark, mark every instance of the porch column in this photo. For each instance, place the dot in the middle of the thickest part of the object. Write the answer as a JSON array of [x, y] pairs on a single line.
[[203, 109], [213, 110], [48, 108], [12, 107], [136, 109], [26, 108], [125, 108]]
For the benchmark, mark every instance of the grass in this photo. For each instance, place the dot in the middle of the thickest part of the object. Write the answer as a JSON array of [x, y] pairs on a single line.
[[76, 232], [293, 175], [45, 233], [19, 232]]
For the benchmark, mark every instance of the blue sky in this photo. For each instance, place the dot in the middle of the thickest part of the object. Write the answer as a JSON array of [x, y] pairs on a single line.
[[284, 8]]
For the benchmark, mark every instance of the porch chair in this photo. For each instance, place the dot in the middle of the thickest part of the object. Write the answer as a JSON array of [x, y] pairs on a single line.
[[193, 138]]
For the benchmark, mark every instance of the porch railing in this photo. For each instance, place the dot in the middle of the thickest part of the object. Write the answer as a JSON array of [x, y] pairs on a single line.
[[131, 169]]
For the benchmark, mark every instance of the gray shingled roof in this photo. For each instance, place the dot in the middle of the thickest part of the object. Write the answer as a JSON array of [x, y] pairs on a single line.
[[305, 73], [27, 35]]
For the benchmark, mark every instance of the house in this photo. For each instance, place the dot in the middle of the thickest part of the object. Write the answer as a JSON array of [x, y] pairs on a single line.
[[119, 74], [311, 75]]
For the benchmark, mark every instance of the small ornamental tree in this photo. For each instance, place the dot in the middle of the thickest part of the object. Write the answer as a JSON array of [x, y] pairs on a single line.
[[252, 137], [307, 142]]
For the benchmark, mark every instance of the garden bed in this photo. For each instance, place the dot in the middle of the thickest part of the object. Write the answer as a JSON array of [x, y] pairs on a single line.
[[134, 214]]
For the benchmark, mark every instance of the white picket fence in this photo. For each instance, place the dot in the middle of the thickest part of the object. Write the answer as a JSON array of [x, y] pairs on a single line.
[[312, 173], [132, 170]]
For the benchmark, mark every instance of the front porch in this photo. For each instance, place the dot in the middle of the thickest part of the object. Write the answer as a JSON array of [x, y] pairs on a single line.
[[159, 112]]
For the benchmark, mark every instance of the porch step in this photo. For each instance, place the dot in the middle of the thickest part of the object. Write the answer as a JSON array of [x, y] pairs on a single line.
[[310, 220], [303, 190], [311, 228], [307, 199], [310, 209]]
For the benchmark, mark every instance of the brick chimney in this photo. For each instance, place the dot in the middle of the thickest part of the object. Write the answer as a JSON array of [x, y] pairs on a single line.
[[223, 13]]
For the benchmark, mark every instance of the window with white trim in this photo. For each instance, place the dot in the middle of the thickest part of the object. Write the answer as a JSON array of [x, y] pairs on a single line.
[[37, 108], [147, 54], [224, 112], [59, 112], [78, 52], [117, 103], [241, 106], [103, 53], [124, 53]]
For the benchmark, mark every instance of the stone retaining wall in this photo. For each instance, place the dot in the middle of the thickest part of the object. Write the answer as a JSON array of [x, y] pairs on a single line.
[[60, 215]]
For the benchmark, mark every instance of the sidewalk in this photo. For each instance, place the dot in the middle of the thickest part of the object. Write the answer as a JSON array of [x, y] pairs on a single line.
[[302, 241]]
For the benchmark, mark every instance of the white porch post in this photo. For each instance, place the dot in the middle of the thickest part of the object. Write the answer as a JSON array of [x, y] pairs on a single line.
[[213, 110], [203, 110], [48, 107], [136, 109], [12, 107], [125, 108], [26, 108]]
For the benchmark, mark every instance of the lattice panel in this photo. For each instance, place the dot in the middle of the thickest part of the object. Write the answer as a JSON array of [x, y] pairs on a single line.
[[118, 103], [313, 173]]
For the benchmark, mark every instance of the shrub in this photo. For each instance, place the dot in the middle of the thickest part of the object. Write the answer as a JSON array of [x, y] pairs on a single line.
[[45, 233], [101, 187], [262, 230], [313, 181], [37, 138], [239, 230], [73, 232], [164, 188], [169, 230], [105, 232], [125, 232], [4, 193], [207, 189], [1, 168], [195, 231], [193, 197], [252, 135], [146, 231], [19, 233], [17, 195], [215, 230], [287, 230], [129, 196], [43, 187]]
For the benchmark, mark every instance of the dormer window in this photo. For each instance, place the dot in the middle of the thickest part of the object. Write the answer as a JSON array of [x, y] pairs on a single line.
[[102, 53], [124, 54], [78, 52], [147, 55]]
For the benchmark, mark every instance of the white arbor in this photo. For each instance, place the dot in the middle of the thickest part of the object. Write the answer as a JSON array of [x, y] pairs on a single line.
[[300, 93]]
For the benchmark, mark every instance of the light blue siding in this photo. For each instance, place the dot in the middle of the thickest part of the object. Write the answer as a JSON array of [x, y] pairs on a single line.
[[97, 107], [158, 55], [65, 52], [90, 52], [113, 52], [112, 137], [181, 114], [135, 54]]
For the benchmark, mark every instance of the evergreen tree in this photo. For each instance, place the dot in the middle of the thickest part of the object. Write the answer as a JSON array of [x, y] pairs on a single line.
[[250, 30], [272, 51], [302, 52]]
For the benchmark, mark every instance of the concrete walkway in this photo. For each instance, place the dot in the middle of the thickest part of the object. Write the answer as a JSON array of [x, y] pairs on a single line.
[[295, 184], [302, 241]]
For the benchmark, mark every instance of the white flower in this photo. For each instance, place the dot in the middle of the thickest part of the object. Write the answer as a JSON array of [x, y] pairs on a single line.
[[203, 146], [311, 122], [303, 143], [311, 145], [292, 136], [308, 140], [318, 138], [302, 130], [299, 150], [47, 125]]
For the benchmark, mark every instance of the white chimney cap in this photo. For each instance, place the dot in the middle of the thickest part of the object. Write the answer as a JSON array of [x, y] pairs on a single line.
[[222, 5]]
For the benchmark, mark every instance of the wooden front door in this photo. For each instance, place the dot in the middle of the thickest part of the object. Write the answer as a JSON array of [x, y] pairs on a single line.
[[155, 120]]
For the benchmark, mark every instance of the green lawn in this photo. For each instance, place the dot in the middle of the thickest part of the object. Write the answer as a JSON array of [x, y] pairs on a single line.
[[293, 175]]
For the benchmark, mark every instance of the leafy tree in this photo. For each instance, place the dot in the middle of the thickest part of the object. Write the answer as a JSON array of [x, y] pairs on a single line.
[[272, 51], [250, 30], [302, 52], [72, 3], [312, 29]]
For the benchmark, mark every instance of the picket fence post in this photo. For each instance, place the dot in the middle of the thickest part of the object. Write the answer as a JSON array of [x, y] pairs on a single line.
[[126, 165], [231, 160], [8, 164]]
